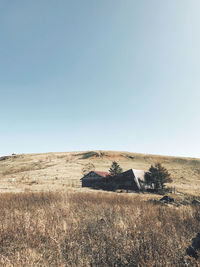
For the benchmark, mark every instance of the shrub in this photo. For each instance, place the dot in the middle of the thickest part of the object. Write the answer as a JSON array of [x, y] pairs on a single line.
[[157, 177]]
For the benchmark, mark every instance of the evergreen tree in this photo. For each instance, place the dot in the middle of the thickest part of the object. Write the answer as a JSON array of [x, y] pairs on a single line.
[[158, 176], [115, 169]]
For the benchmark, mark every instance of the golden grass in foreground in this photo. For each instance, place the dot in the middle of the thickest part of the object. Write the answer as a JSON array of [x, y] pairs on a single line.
[[93, 229]]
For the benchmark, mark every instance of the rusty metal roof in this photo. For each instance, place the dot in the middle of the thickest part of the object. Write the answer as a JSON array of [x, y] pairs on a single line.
[[103, 174]]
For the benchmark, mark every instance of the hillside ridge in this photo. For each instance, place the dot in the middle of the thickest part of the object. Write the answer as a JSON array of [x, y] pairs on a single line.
[[60, 170]]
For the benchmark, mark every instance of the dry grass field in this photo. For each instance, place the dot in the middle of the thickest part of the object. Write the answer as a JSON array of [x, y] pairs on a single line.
[[59, 171], [94, 229], [47, 219]]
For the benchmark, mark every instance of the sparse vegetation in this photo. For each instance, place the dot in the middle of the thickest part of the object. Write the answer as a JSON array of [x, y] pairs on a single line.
[[89, 154], [94, 229], [30, 167]]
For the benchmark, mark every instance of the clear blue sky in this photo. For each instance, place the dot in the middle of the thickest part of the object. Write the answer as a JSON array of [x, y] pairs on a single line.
[[109, 74]]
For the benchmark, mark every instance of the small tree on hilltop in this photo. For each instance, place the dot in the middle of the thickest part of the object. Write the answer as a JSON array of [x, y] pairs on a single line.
[[158, 176], [115, 169]]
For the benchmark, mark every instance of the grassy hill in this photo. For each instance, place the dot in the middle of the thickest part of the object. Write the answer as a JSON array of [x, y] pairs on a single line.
[[58, 171], [75, 226]]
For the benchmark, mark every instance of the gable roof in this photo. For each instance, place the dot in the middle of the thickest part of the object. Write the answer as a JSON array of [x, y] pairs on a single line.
[[103, 174], [138, 175]]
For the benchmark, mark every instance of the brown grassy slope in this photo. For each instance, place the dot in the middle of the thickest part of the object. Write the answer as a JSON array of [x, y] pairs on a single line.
[[56, 171], [94, 229]]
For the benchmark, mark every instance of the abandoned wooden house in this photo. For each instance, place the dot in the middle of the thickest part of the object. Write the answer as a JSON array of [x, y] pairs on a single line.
[[94, 179], [130, 180], [133, 180]]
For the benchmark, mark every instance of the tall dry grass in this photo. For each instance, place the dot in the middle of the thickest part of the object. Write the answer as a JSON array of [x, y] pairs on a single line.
[[93, 229]]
